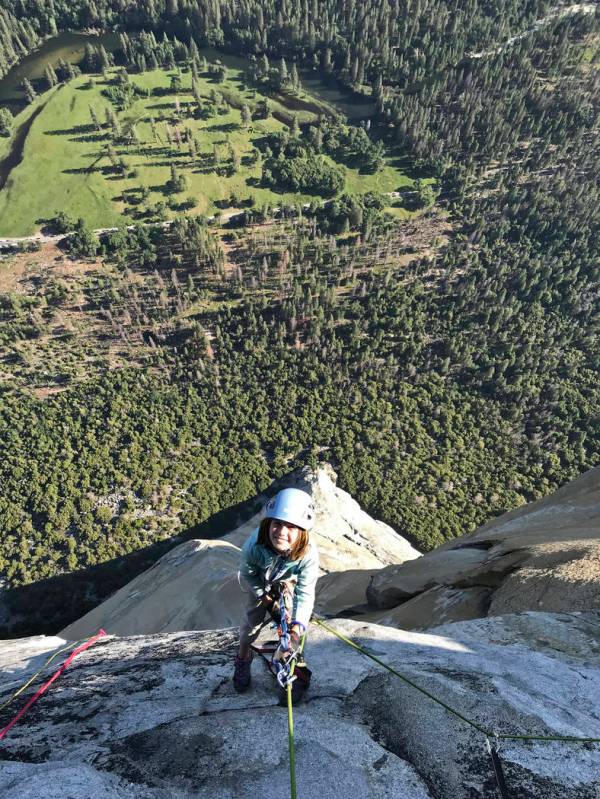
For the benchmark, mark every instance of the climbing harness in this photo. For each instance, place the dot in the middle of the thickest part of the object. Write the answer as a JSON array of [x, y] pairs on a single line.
[[76, 651], [492, 750]]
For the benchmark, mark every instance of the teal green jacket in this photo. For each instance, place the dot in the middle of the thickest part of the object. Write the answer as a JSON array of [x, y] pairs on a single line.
[[261, 567]]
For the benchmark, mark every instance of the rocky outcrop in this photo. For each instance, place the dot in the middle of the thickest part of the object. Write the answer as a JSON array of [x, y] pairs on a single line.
[[543, 556], [155, 716], [194, 586]]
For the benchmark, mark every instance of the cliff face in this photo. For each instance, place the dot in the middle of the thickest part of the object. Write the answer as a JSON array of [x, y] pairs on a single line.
[[542, 556], [156, 716], [195, 587]]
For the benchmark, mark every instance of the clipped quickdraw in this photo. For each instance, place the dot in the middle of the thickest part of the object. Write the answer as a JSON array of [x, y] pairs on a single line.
[[282, 666]]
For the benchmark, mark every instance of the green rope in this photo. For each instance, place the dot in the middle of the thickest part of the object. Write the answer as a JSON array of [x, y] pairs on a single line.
[[292, 752], [291, 740], [482, 730]]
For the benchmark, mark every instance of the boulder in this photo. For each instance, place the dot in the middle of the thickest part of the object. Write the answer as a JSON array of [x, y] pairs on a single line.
[[343, 592], [441, 603], [542, 556], [192, 587]]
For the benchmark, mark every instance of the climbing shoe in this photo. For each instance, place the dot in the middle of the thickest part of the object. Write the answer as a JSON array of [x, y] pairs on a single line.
[[241, 674]]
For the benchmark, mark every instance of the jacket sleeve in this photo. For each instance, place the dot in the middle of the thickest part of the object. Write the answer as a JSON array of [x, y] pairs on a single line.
[[250, 570], [304, 594]]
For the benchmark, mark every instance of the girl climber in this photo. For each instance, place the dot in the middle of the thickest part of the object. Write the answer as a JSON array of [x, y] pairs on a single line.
[[279, 553]]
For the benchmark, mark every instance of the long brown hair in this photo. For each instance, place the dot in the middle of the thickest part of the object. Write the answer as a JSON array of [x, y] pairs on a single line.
[[297, 552]]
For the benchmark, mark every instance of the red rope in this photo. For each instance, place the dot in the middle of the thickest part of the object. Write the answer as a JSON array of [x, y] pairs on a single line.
[[47, 684]]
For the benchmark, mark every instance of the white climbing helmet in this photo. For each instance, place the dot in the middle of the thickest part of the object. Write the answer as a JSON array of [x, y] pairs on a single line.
[[292, 505]]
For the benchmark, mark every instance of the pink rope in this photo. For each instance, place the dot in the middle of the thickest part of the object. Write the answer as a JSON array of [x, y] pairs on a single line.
[[47, 684]]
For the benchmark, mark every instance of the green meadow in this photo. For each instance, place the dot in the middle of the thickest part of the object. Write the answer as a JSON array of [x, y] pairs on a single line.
[[65, 165]]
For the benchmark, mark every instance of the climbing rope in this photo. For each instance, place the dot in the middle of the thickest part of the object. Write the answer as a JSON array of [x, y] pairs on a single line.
[[291, 746], [289, 679], [492, 750], [290, 716], [498, 770], [284, 674], [49, 682], [36, 675], [487, 733]]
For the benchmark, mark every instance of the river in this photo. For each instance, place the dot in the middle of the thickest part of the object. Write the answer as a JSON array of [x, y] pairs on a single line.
[[69, 46]]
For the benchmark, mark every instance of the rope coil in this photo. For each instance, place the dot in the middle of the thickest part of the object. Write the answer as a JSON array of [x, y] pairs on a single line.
[[48, 683], [26, 685]]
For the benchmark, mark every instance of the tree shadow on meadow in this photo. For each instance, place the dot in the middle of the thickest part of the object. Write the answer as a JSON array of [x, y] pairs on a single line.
[[86, 138], [226, 127], [77, 129], [82, 170]]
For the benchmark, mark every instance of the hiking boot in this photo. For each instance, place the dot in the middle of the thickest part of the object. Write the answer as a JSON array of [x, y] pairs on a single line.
[[299, 686], [298, 691], [241, 674]]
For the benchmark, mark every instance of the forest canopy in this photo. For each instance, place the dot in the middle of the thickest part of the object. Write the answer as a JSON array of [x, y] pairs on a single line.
[[438, 344]]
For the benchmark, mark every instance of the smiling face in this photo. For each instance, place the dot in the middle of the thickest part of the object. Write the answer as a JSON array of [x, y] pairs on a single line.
[[282, 535]]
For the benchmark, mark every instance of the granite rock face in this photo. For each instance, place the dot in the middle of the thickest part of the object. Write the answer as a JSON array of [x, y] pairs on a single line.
[[542, 556], [194, 586], [156, 717]]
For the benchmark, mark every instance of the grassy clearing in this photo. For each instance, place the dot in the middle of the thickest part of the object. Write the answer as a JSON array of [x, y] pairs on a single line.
[[53, 173], [65, 165]]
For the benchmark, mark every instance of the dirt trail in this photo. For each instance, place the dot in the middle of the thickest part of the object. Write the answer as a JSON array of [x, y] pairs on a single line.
[[7, 242], [45, 238]]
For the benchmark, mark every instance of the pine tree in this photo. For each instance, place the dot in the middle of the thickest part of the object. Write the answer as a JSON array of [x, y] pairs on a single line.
[[6, 122], [50, 75], [246, 116], [294, 77], [90, 58], [114, 123], [30, 92], [295, 127], [265, 66], [104, 58], [283, 71], [95, 120]]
